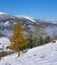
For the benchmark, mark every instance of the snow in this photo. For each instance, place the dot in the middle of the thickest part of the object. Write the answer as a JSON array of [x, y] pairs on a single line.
[[2, 13], [7, 23], [4, 42], [42, 55], [27, 17]]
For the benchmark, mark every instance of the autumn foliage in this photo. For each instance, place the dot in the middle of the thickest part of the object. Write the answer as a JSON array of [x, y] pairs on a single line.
[[18, 40]]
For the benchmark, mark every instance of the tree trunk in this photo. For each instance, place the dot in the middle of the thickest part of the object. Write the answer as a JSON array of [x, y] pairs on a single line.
[[18, 53]]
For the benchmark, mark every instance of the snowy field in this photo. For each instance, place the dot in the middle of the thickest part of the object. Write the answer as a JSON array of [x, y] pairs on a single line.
[[42, 55], [4, 42]]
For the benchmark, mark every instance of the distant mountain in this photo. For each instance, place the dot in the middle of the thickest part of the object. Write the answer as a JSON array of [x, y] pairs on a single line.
[[2, 13], [7, 21]]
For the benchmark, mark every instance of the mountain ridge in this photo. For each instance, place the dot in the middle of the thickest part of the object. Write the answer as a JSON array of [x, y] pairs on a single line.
[[7, 21]]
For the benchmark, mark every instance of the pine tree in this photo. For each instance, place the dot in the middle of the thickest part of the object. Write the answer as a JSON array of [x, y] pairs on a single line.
[[40, 41], [30, 44], [18, 40]]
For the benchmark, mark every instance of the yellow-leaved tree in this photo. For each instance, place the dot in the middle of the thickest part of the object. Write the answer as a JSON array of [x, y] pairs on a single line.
[[18, 40]]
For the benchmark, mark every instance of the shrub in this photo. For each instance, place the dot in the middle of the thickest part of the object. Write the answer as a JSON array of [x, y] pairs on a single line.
[[4, 53], [47, 40]]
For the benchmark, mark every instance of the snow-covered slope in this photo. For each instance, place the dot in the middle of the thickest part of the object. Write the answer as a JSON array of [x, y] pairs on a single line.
[[42, 55], [2, 13], [4, 42], [26, 17]]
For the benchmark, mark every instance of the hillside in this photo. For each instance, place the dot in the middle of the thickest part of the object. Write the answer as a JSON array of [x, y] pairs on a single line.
[[42, 55], [7, 21]]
